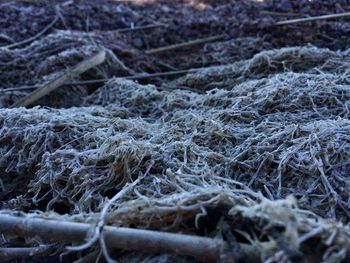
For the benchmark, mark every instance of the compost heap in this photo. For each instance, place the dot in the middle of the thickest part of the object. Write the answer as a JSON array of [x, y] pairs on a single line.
[[258, 149]]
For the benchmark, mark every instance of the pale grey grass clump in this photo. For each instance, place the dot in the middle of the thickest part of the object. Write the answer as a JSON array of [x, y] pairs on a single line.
[[267, 155]]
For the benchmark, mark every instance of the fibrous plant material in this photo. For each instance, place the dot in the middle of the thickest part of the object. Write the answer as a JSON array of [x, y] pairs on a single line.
[[184, 20], [135, 156], [251, 152], [304, 59]]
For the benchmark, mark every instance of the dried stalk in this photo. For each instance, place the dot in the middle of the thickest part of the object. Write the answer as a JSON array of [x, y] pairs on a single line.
[[51, 86], [220, 37], [202, 248], [138, 77], [137, 28], [99, 81], [21, 88], [185, 44], [272, 13], [309, 19]]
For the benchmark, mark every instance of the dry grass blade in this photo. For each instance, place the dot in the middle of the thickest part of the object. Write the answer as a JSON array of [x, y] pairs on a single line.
[[101, 81], [185, 44], [136, 28], [272, 13], [51, 86], [138, 77], [310, 19]]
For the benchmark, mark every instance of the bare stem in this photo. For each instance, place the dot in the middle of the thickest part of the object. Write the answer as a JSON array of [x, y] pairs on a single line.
[[137, 28], [185, 44], [98, 81], [309, 19], [202, 248]]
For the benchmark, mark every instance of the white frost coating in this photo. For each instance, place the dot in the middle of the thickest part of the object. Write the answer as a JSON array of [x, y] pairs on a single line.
[[271, 133]]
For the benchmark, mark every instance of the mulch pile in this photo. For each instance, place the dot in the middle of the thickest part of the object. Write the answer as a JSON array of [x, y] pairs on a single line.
[[252, 149]]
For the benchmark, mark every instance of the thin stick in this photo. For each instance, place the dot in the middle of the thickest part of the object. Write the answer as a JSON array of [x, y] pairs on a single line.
[[162, 74], [21, 88], [202, 248], [54, 84], [185, 44], [309, 19], [145, 76], [137, 28], [98, 81], [137, 77]]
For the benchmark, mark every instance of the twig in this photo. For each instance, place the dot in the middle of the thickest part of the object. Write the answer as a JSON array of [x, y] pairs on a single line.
[[309, 19], [98, 81], [146, 76], [54, 84], [202, 248], [162, 74], [137, 77], [137, 28], [21, 88], [20, 252], [185, 44]]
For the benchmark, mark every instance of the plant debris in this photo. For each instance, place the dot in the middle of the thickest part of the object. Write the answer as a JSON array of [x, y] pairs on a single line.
[[250, 150]]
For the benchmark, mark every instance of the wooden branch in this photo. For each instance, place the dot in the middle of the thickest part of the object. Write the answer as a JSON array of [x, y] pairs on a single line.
[[309, 19], [185, 44], [56, 83], [202, 248]]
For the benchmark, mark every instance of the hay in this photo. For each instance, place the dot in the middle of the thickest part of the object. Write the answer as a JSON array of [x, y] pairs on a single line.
[[232, 156]]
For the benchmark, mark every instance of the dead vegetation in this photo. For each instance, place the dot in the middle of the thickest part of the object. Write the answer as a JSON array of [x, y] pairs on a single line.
[[243, 160]]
